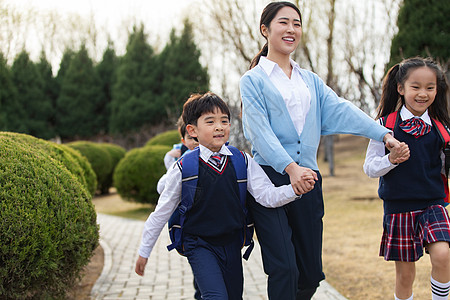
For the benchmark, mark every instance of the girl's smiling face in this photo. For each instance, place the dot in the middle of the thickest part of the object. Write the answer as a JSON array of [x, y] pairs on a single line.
[[284, 33], [419, 90]]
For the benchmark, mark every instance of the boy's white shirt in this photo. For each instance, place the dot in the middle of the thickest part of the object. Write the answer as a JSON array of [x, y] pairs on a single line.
[[377, 162], [258, 184]]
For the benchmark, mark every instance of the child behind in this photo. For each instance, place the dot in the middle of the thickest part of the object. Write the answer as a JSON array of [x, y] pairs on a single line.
[[187, 144], [212, 232], [411, 184]]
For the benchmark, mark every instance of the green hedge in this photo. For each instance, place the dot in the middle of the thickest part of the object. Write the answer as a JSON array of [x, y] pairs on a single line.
[[99, 158], [137, 174], [48, 228], [72, 160], [168, 138], [117, 153]]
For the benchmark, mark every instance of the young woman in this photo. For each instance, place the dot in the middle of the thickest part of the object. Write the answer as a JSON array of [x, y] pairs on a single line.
[[285, 110]]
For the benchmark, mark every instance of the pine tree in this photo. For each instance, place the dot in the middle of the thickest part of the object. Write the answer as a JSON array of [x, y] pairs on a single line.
[[80, 93], [134, 90], [181, 73], [35, 106], [106, 71], [423, 29], [9, 108], [50, 89]]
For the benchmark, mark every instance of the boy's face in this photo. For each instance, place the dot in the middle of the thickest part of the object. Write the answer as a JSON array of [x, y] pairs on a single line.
[[212, 130], [189, 141]]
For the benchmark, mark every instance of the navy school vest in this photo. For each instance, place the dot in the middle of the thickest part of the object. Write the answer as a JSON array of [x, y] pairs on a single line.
[[189, 169], [392, 120]]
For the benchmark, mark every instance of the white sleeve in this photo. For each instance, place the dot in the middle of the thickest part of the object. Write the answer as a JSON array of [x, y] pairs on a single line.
[[263, 190], [167, 203], [377, 161]]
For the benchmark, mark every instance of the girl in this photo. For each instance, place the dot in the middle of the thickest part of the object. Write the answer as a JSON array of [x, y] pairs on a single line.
[[285, 109], [412, 189]]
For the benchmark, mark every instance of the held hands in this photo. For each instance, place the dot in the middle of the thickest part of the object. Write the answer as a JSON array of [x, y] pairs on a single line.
[[140, 265], [302, 179], [399, 151]]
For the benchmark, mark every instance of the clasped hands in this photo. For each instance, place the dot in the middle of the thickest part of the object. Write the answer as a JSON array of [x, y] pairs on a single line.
[[399, 151]]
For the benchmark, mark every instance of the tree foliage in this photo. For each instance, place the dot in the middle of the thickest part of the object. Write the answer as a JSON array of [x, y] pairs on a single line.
[[37, 108], [79, 97], [133, 93], [423, 29]]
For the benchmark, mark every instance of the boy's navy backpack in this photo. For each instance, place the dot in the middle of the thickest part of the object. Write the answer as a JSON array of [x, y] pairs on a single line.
[[189, 173], [390, 121]]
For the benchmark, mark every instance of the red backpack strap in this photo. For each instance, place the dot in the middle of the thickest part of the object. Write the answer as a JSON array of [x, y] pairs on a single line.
[[390, 119], [443, 131], [445, 136]]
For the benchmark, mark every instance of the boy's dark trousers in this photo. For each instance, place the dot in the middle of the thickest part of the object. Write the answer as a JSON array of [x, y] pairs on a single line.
[[291, 242], [217, 269]]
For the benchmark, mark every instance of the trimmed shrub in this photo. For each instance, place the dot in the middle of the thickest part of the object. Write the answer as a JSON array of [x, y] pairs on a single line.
[[72, 160], [98, 157], [168, 138], [48, 228], [117, 153], [88, 172], [137, 174]]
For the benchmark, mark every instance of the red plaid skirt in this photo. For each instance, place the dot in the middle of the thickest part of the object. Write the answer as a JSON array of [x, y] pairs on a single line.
[[406, 234]]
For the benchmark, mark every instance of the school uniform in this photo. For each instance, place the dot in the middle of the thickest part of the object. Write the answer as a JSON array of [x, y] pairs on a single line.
[[213, 226], [283, 120], [413, 192]]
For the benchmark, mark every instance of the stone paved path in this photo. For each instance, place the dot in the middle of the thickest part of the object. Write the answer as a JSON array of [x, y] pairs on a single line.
[[168, 275]]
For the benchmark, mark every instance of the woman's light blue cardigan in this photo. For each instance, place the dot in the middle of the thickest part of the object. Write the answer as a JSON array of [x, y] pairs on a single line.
[[269, 128]]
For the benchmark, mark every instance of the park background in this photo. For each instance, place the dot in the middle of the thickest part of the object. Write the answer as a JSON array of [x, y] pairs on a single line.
[[119, 71]]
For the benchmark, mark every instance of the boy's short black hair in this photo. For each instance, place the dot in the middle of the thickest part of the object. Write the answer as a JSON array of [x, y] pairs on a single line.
[[199, 104]]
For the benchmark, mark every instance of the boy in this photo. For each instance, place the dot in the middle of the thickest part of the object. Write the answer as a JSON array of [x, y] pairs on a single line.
[[212, 229]]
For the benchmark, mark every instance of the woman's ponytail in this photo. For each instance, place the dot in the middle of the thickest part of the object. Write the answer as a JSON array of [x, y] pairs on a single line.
[[263, 52]]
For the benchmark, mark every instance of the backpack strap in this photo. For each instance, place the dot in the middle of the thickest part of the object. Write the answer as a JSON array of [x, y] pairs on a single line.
[[189, 174], [445, 136], [390, 120], [240, 163]]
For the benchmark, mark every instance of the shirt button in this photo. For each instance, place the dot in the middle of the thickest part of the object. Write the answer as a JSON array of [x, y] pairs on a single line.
[[298, 142], [298, 152]]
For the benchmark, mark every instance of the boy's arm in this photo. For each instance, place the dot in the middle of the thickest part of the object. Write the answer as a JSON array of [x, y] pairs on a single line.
[[263, 190], [167, 203]]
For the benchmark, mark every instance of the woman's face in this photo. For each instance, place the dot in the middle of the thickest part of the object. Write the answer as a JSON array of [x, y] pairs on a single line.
[[284, 32]]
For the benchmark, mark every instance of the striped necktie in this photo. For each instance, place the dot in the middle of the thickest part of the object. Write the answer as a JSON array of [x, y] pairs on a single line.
[[216, 159], [415, 126]]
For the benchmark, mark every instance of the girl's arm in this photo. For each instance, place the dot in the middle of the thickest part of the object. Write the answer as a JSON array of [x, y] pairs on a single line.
[[378, 163]]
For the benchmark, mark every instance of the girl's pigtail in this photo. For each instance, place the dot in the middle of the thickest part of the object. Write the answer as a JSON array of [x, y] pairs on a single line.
[[389, 101], [263, 52]]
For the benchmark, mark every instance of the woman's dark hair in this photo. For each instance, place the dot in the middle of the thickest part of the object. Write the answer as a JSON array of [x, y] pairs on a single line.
[[391, 100], [199, 104], [269, 12]]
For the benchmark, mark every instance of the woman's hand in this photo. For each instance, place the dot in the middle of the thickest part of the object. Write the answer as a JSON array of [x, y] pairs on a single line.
[[302, 179], [399, 151]]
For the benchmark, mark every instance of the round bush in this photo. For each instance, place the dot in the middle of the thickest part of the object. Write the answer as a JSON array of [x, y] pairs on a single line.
[[72, 160], [168, 138], [117, 153], [48, 228], [137, 174], [98, 157]]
